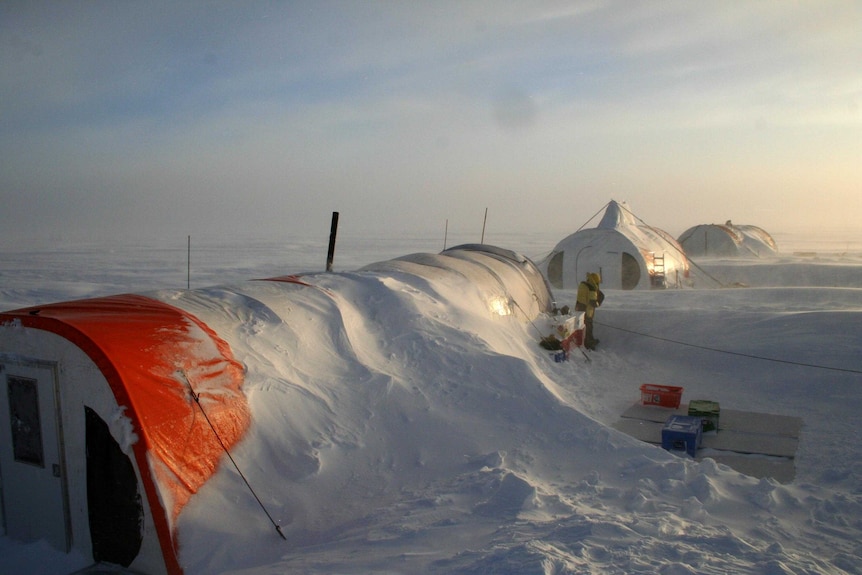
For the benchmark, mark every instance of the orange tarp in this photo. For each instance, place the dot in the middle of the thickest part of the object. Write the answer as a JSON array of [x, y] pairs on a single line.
[[153, 355]]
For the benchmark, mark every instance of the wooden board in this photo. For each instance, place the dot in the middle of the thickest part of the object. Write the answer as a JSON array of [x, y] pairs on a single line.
[[780, 469], [757, 444], [724, 439], [729, 419]]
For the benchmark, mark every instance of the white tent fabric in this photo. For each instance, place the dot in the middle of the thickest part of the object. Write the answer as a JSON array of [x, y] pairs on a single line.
[[727, 240], [509, 282], [626, 252]]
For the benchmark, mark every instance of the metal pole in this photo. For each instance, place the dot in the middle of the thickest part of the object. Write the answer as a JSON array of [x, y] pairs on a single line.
[[332, 233]]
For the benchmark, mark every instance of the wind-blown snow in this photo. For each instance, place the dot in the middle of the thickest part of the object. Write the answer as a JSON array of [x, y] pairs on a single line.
[[398, 427]]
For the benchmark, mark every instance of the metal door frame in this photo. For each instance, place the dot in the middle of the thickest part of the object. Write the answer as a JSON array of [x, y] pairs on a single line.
[[7, 364]]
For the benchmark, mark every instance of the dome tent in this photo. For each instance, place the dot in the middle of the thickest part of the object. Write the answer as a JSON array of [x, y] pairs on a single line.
[[727, 240], [626, 252], [124, 406]]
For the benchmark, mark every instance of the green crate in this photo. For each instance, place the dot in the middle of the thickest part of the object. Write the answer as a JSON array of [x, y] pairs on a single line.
[[708, 411]]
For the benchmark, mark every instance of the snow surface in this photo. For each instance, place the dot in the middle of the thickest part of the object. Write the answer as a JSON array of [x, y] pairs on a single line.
[[401, 428]]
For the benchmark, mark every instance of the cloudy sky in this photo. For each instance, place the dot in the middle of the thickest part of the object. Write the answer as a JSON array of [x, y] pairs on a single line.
[[146, 119]]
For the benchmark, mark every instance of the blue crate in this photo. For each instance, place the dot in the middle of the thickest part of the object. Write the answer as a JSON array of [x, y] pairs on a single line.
[[682, 433]]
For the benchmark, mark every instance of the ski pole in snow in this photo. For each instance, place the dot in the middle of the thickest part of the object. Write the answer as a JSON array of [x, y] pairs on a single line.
[[197, 399]]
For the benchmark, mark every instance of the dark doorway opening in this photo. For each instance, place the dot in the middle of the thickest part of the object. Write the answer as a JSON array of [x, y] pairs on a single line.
[[555, 270], [113, 500], [631, 271]]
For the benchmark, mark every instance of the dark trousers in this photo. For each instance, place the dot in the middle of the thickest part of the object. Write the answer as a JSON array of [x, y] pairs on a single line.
[[589, 341]]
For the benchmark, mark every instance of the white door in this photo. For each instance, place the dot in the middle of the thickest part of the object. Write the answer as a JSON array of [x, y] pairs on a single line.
[[32, 469]]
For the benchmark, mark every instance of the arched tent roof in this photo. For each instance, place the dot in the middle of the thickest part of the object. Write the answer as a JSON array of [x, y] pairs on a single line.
[[757, 240], [163, 363], [628, 253], [151, 354], [727, 240], [510, 282]]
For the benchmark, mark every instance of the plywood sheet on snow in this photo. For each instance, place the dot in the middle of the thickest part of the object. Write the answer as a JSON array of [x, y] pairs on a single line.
[[730, 419], [757, 444], [780, 469]]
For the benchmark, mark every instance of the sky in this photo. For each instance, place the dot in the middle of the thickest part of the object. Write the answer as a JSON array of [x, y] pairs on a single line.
[[130, 121]]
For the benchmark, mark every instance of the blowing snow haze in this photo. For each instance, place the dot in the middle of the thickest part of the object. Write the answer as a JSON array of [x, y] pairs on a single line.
[[138, 121]]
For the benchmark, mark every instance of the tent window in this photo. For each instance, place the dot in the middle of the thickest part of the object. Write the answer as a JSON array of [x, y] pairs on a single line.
[[24, 417], [631, 271], [555, 270], [116, 513]]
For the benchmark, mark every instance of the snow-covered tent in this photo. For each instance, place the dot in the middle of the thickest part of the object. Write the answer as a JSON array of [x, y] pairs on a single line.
[[117, 410], [727, 240], [520, 288], [626, 252]]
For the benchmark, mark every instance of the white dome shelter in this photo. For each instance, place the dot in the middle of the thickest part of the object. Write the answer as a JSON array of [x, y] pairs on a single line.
[[626, 252], [727, 240]]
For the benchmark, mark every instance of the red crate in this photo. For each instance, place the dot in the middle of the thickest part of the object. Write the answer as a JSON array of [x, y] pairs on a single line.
[[576, 339], [661, 395]]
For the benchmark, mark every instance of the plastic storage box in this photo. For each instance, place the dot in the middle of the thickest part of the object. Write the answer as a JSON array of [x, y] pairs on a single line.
[[573, 330], [576, 322], [575, 339], [661, 395], [682, 433], [708, 411]]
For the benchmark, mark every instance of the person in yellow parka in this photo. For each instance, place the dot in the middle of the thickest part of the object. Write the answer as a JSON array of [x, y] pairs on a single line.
[[589, 298]]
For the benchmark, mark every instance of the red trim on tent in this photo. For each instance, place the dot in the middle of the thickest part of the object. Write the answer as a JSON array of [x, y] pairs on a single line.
[[291, 279], [147, 350], [297, 279]]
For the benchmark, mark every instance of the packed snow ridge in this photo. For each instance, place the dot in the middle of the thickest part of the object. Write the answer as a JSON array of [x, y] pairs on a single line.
[[400, 423]]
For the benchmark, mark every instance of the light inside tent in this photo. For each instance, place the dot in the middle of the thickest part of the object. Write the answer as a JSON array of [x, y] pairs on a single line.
[[500, 305]]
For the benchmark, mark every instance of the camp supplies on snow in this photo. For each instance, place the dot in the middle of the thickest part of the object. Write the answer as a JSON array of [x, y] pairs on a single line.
[[661, 395], [708, 411], [575, 322], [573, 328], [576, 339], [682, 433]]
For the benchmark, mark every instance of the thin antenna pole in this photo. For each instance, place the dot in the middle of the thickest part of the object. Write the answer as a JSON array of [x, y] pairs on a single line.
[[485, 221], [445, 234], [189, 264]]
